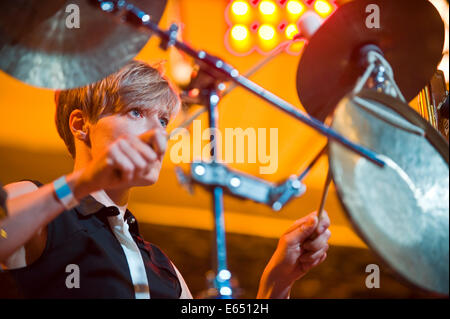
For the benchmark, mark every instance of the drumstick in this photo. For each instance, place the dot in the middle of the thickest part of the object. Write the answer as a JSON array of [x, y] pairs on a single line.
[[324, 195]]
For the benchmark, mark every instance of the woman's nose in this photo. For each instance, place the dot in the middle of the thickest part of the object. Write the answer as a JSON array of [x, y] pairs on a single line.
[[155, 123]]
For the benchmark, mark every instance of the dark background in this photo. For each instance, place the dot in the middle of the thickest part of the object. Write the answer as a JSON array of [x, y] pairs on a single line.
[[342, 275]]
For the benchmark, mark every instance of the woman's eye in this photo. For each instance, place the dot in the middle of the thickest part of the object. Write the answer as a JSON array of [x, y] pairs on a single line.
[[136, 113], [164, 122]]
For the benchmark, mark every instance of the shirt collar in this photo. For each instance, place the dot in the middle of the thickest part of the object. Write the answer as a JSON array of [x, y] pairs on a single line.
[[90, 206]]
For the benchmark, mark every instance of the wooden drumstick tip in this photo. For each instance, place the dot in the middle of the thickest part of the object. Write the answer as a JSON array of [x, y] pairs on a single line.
[[324, 196]]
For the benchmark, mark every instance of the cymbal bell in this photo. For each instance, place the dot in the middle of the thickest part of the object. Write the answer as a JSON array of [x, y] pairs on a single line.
[[40, 46], [410, 35]]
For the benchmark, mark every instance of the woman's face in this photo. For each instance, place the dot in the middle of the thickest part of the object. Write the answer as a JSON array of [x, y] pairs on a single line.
[[132, 120]]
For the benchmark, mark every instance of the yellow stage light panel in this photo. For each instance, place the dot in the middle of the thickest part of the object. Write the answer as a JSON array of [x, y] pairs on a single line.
[[295, 7], [323, 8], [267, 7], [240, 8], [266, 32], [291, 31]]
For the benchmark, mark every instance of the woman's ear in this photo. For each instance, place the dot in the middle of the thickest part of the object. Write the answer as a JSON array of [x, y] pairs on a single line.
[[79, 126]]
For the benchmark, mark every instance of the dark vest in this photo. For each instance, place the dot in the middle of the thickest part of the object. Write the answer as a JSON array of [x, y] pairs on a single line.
[[3, 196], [82, 236]]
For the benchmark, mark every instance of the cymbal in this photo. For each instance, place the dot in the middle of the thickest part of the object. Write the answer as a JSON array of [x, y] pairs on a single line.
[[411, 36], [38, 47], [401, 211]]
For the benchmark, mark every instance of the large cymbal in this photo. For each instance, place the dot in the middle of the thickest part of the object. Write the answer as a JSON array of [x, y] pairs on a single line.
[[38, 48], [402, 210], [411, 36]]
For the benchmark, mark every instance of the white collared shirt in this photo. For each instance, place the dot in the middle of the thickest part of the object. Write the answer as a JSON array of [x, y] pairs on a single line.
[[132, 253]]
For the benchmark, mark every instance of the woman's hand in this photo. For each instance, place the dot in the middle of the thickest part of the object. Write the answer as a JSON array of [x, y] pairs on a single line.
[[126, 163], [303, 246]]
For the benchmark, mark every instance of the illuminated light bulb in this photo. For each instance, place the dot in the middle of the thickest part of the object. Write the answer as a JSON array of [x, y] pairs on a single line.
[[239, 8], [295, 7], [322, 7], [225, 291], [235, 182], [239, 32], [267, 7], [266, 32], [291, 31], [200, 170], [239, 39], [224, 275], [181, 73]]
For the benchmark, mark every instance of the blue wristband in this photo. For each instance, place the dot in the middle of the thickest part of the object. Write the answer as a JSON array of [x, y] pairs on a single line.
[[64, 193]]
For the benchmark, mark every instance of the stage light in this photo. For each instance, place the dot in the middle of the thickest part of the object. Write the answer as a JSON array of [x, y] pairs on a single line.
[[181, 73], [262, 25], [239, 32], [267, 7], [239, 39], [266, 32], [291, 31], [322, 7], [240, 8], [225, 291], [295, 7]]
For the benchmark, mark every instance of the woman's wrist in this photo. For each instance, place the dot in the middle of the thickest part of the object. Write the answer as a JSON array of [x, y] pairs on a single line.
[[273, 290], [273, 287], [79, 185]]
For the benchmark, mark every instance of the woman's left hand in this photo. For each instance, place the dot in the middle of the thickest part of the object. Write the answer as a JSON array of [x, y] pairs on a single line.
[[303, 246]]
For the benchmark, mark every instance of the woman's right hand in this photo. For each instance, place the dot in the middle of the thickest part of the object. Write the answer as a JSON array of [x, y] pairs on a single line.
[[125, 163]]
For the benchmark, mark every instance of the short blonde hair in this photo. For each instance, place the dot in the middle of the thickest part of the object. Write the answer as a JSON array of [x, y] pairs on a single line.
[[137, 83]]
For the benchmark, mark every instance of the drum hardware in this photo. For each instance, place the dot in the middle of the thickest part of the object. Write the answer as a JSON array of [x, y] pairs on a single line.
[[290, 192], [379, 77], [241, 185], [38, 48]]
